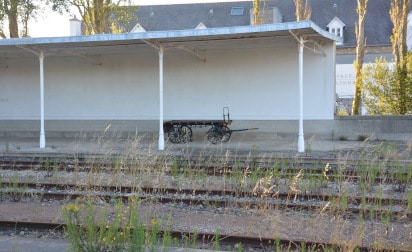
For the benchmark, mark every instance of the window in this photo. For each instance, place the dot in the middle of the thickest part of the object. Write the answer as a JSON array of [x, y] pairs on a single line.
[[336, 31], [237, 11], [336, 27]]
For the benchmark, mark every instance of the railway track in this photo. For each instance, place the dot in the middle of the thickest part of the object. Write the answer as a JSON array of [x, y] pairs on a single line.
[[333, 170], [387, 173], [248, 242], [371, 207]]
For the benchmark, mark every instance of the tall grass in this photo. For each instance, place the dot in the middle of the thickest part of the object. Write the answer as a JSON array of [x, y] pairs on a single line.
[[140, 165]]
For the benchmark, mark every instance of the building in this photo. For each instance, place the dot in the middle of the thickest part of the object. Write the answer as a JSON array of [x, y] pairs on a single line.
[[336, 16], [265, 74]]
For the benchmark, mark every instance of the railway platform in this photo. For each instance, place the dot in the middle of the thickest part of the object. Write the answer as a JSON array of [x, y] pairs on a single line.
[[149, 145]]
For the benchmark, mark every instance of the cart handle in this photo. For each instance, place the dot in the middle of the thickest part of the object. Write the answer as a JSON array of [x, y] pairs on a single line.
[[226, 116]]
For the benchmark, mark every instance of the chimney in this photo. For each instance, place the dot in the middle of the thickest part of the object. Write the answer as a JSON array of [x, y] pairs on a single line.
[[75, 26], [267, 16]]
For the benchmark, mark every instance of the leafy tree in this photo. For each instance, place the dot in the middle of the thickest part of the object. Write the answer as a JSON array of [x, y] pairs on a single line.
[[360, 52], [101, 16], [380, 93], [399, 15], [303, 11], [388, 87], [17, 13]]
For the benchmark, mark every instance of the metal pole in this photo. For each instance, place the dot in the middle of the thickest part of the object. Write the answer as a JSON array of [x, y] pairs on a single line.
[[161, 133], [42, 134], [301, 141]]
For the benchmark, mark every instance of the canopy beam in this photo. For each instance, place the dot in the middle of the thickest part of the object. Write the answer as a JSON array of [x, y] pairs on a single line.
[[316, 49]]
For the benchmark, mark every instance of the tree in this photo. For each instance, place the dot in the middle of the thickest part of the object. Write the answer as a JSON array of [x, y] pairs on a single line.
[[16, 12], [256, 12], [101, 16], [378, 93], [303, 11], [360, 52], [380, 87], [399, 15]]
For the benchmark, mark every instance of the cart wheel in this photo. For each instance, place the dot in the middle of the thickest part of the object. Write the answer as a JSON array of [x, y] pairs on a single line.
[[175, 134], [226, 133], [215, 134], [186, 134]]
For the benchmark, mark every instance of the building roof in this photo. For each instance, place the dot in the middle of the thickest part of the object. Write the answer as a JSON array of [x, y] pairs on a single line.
[[194, 41], [378, 26]]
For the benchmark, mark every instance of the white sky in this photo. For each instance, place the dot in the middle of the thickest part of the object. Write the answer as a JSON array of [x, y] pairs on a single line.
[[51, 24]]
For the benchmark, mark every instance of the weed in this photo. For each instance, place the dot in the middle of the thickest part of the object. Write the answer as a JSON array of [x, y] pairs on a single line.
[[1, 189], [362, 138], [239, 247], [194, 239], [87, 231], [277, 243], [16, 192], [167, 236], [216, 242]]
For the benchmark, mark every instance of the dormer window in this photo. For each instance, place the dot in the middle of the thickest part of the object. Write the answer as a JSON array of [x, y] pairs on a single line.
[[336, 27], [201, 26], [138, 28]]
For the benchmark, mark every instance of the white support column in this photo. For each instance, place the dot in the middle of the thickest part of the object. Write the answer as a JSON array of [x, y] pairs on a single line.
[[161, 133], [301, 141], [42, 134]]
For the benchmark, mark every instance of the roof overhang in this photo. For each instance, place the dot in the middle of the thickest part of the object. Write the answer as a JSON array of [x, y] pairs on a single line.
[[279, 34]]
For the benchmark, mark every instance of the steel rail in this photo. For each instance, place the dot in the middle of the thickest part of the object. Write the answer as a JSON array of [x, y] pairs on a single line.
[[53, 187], [225, 198], [247, 241], [386, 176], [215, 160]]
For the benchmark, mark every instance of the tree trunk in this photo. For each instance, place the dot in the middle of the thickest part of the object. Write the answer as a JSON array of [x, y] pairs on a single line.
[[302, 12], [256, 12], [11, 11], [360, 52], [403, 73], [399, 16]]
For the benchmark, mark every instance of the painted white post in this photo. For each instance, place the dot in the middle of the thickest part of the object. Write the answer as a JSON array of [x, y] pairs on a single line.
[[301, 141], [42, 134], [161, 134]]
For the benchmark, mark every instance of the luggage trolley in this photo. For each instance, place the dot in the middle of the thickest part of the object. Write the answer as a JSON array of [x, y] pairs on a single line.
[[180, 131]]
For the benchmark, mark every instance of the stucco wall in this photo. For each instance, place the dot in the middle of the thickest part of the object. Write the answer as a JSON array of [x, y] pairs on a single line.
[[257, 84], [341, 128]]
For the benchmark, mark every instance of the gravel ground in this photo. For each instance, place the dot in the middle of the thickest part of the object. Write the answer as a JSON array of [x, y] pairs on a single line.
[[269, 223]]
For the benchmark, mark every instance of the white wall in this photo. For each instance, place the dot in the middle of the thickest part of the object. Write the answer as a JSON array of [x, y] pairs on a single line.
[[257, 84], [345, 80]]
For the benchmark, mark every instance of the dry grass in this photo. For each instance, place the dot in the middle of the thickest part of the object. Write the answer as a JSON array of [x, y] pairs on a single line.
[[139, 164]]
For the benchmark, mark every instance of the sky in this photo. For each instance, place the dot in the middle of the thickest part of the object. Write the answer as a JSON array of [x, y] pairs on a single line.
[[51, 24]]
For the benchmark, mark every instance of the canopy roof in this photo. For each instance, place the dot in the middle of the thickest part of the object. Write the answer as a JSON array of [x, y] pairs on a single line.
[[195, 40]]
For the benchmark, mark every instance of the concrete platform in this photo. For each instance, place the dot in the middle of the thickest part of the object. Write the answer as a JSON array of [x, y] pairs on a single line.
[[149, 146]]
